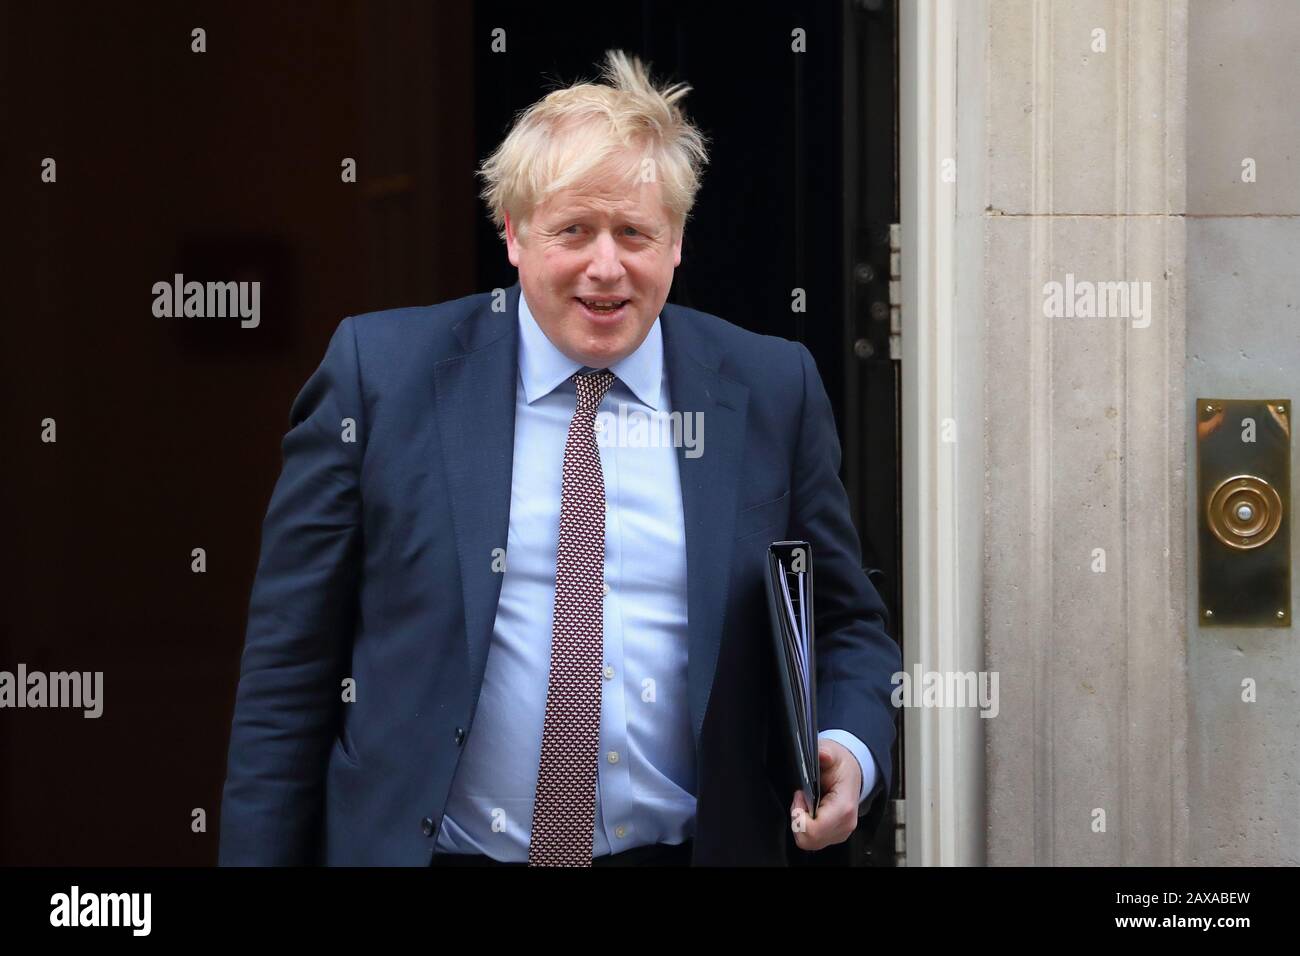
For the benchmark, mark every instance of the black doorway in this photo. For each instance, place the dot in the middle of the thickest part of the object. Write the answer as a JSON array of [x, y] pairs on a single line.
[[799, 193]]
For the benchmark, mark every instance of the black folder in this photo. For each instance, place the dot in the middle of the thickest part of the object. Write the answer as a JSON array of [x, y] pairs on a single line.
[[789, 582]]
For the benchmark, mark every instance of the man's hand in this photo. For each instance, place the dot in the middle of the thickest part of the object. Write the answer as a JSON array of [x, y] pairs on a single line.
[[837, 815]]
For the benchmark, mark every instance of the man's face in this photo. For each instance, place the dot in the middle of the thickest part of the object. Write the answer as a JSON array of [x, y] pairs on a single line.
[[613, 243]]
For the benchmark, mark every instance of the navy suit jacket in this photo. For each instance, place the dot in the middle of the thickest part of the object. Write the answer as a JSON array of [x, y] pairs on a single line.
[[376, 565]]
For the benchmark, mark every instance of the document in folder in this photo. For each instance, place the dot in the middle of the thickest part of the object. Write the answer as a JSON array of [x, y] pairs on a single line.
[[790, 606]]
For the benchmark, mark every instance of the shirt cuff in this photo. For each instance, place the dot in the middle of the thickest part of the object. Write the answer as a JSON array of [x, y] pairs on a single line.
[[860, 752]]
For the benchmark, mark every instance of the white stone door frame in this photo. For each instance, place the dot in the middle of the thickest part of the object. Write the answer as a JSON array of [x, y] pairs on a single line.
[[1023, 147], [942, 399]]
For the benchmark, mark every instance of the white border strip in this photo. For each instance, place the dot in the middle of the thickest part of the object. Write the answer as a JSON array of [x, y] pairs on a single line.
[[942, 579]]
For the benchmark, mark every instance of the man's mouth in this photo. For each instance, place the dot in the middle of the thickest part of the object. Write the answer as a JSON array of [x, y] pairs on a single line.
[[602, 308]]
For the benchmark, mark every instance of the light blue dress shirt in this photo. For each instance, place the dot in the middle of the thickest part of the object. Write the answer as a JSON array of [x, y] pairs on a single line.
[[646, 782]]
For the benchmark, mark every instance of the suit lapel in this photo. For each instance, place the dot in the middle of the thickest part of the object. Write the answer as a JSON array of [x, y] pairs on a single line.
[[708, 492], [475, 402]]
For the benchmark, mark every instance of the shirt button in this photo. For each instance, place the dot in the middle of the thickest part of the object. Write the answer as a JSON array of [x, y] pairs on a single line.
[[613, 756], [604, 588], [620, 831], [609, 672]]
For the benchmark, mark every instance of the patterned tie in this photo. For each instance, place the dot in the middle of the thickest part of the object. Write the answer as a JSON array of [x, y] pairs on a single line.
[[564, 807]]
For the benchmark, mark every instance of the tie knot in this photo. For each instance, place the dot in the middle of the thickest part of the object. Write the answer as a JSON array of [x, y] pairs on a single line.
[[592, 388]]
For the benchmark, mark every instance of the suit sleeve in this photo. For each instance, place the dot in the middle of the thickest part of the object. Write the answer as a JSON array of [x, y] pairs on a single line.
[[300, 620], [856, 657]]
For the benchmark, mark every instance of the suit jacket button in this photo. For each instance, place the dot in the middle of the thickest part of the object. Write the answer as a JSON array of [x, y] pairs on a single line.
[[460, 735], [426, 826]]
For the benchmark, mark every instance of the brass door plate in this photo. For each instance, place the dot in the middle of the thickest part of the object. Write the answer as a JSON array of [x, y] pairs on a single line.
[[1243, 468]]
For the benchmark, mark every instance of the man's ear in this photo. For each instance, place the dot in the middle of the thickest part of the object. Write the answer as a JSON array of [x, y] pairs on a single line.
[[512, 242], [677, 248]]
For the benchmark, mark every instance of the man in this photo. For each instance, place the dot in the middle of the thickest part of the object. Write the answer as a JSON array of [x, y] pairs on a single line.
[[482, 634]]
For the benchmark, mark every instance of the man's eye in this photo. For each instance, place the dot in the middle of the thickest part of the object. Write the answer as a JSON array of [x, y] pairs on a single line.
[[574, 226], [633, 229]]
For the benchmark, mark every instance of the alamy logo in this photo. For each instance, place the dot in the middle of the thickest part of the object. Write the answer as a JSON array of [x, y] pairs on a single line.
[[946, 689], [59, 689], [638, 428], [102, 909], [209, 300], [1098, 300]]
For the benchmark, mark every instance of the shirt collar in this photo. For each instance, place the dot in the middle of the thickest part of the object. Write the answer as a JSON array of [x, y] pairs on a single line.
[[543, 367]]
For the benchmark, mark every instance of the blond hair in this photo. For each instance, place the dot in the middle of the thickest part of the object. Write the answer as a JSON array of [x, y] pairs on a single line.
[[574, 137]]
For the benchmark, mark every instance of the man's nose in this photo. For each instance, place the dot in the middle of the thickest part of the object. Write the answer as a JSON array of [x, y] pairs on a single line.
[[605, 264]]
